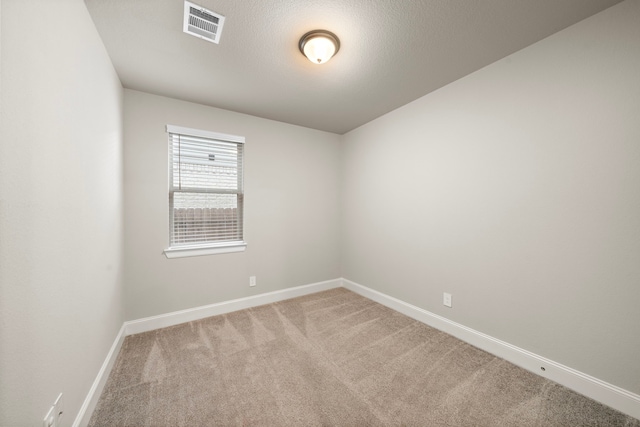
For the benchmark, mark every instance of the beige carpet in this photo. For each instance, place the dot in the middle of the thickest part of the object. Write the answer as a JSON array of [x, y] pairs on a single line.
[[329, 359]]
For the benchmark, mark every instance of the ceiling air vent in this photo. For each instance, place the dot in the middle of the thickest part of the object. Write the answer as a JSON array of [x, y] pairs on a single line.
[[202, 23]]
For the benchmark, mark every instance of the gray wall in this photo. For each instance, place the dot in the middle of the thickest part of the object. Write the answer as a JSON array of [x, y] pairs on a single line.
[[516, 189], [292, 185], [60, 208]]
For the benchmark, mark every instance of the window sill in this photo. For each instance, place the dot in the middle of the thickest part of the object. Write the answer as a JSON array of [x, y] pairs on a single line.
[[199, 250]]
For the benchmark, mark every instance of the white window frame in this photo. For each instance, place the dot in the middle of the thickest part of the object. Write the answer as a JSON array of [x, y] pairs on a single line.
[[209, 248]]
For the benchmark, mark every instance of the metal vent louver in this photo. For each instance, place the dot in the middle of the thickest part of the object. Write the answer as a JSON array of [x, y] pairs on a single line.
[[202, 23]]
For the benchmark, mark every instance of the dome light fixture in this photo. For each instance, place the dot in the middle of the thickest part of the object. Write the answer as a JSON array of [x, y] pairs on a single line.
[[319, 46]]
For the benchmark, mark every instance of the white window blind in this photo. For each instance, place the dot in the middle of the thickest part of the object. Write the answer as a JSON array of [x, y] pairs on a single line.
[[205, 187]]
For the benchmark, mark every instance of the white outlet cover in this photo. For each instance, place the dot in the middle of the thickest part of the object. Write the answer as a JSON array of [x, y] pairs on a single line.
[[446, 299], [59, 407], [52, 419]]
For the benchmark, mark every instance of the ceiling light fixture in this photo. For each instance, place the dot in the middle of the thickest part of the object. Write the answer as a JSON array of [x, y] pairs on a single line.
[[319, 46]]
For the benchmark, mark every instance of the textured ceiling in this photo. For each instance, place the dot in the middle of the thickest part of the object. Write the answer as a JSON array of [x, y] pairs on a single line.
[[391, 53]]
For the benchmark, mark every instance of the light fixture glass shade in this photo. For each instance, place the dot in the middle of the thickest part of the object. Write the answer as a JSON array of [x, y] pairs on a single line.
[[319, 46]]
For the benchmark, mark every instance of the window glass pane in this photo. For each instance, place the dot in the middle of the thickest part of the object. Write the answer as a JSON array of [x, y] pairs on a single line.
[[206, 217]]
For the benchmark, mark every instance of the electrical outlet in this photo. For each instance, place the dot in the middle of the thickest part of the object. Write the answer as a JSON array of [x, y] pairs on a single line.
[[252, 281], [49, 419], [446, 299], [52, 419]]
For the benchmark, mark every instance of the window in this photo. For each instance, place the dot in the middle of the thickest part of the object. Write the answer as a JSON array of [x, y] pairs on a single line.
[[205, 192]]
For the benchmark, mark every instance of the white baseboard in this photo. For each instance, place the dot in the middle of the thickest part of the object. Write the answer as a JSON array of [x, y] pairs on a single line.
[[601, 391], [89, 404], [197, 313]]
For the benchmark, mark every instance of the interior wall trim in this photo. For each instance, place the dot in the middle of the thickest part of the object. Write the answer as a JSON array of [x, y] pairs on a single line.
[[594, 388], [175, 318], [89, 404]]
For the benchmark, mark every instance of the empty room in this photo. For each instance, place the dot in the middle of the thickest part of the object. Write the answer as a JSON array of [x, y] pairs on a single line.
[[319, 213]]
